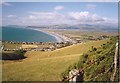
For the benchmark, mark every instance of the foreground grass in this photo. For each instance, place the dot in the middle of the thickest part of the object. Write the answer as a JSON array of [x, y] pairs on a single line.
[[41, 69], [45, 66]]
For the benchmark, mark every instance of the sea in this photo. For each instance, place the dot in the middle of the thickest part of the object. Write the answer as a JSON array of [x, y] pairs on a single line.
[[25, 35]]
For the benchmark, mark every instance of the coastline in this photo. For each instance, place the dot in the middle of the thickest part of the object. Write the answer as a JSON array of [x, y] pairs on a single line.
[[58, 37]]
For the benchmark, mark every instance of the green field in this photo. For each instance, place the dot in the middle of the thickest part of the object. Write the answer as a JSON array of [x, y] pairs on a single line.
[[45, 66], [11, 46], [8, 45]]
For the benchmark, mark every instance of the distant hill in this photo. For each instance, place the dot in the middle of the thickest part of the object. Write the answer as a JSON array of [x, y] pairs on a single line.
[[87, 27], [84, 27]]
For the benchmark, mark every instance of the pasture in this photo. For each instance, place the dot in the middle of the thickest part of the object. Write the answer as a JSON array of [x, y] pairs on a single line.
[[45, 66]]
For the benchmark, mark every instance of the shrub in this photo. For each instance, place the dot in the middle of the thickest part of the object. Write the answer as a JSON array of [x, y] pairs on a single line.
[[20, 52], [16, 55], [86, 55], [94, 49]]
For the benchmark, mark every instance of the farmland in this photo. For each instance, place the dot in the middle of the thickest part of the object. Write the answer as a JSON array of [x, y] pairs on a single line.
[[44, 66]]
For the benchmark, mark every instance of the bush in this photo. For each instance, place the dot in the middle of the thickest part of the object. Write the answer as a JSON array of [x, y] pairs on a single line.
[[19, 52], [17, 55], [94, 49], [86, 55]]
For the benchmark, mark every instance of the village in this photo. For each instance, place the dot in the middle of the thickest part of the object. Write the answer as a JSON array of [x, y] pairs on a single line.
[[44, 46]]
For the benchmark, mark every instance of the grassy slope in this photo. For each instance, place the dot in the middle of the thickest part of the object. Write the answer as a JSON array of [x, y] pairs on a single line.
[[104, 64], [70, 50], [45, 65], [104, 56]]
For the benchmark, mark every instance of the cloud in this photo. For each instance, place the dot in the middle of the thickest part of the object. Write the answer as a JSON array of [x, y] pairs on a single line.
[[69, 18], [11, 16], [46, 15], [91, 6], [32, 17], [40, 18], [5, 3], [59, 8], [86, 17], [53, 18], [79, 15]]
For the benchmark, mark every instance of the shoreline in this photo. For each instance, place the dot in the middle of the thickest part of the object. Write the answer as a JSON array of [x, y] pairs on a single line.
[[58, 37]]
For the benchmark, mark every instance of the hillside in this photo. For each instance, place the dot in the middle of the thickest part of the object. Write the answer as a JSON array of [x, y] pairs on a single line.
[[45, 66], [69, 50], [97, 64]]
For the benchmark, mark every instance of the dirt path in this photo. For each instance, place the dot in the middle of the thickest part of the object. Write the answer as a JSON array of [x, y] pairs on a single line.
[[115, 63]]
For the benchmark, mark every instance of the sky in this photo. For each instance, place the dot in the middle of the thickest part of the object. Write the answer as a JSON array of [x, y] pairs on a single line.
[[52, 13], [61, 0]]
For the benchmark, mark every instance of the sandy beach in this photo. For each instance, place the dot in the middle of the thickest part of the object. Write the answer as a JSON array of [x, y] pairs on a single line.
[[59, 37]]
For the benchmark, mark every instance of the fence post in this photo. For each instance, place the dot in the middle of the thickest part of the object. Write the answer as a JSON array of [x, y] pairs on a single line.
[[73, 75]]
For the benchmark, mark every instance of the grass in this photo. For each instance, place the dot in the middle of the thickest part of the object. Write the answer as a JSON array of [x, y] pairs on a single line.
[[70, 50], [82, 34], [39, 69], [45, 66], [104, 60], [16, 46], [29, 46], [11, 46]]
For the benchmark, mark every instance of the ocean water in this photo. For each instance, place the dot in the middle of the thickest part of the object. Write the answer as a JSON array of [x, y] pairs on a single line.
[[25, 35]]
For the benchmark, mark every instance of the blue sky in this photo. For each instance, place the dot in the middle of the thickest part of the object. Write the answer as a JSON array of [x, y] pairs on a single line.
[[61, 0], [45, 13]]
